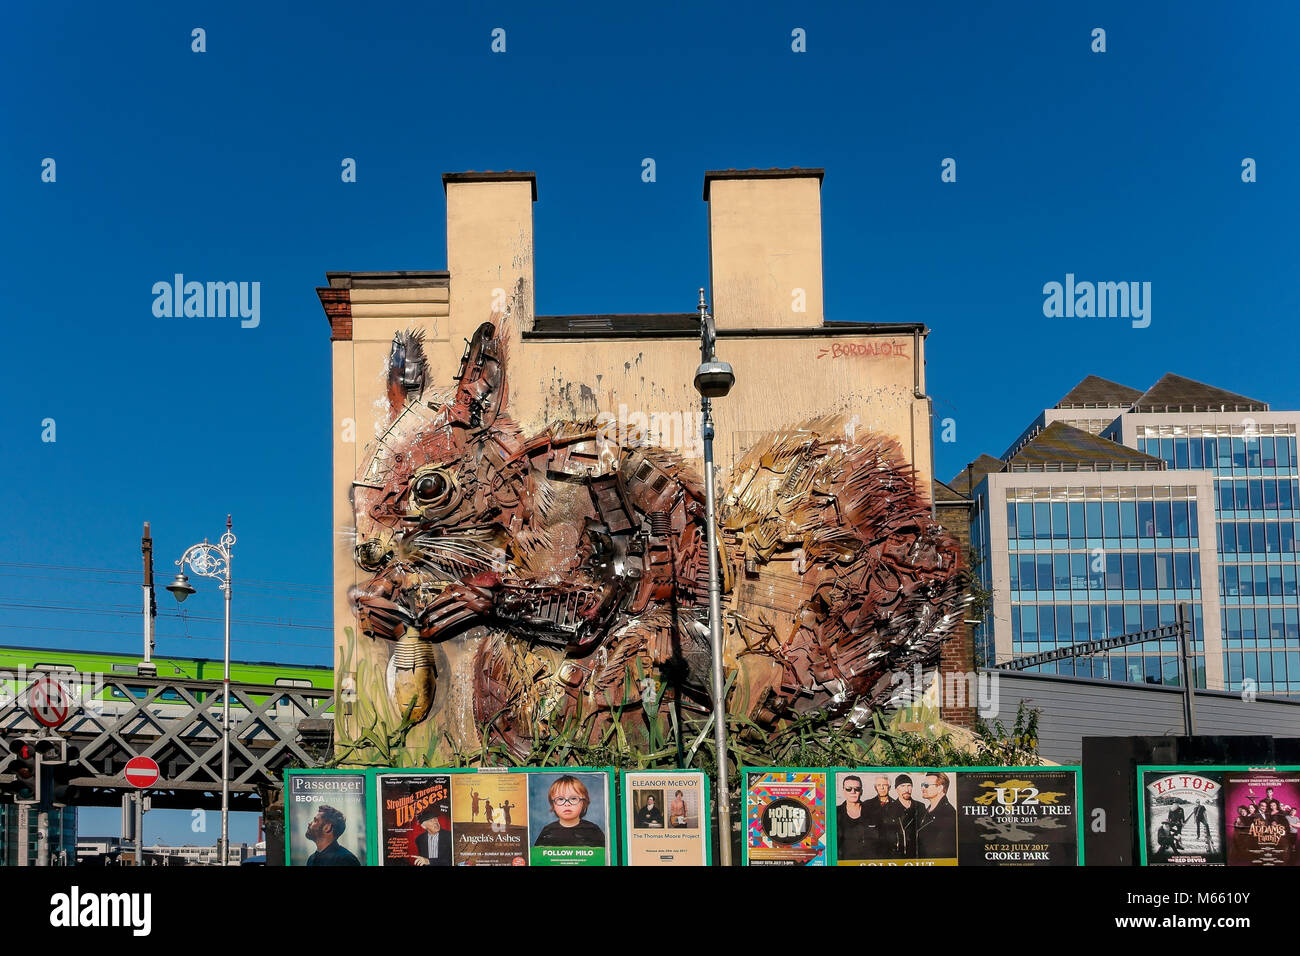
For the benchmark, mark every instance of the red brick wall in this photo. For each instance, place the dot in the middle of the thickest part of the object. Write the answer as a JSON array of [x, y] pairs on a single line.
[[958, 653]]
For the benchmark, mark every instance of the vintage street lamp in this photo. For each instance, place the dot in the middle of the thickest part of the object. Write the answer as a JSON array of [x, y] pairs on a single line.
[[213, 561], [713, 379]]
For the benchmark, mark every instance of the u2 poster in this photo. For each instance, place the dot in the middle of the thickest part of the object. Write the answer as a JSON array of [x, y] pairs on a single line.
[[665, 818], [1262, 822], [325, 818], [1022, 816], [785, 817], [1182, 816], [414, 819]]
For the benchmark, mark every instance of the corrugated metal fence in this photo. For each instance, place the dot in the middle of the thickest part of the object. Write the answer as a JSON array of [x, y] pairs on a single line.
[[1073, 708]]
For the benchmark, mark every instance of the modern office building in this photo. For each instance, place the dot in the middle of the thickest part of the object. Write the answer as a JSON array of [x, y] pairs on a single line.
[[1115, 506], [62, 831]]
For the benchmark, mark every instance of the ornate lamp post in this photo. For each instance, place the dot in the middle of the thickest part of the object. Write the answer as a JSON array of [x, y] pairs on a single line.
[[213, 561], [713, 379]]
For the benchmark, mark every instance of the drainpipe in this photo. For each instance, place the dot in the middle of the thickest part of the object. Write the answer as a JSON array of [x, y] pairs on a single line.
[[917, 393]]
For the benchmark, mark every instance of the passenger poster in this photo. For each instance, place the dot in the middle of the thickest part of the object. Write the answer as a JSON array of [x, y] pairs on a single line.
[[895, 816], [415, 820], [568, 818], [1262, 819], [1023, 816], [325, 819], [665, 819], [1182, 817], [489, 819], [785, 818]]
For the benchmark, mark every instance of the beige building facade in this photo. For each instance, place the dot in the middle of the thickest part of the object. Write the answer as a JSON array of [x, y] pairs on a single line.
[[792, 363]]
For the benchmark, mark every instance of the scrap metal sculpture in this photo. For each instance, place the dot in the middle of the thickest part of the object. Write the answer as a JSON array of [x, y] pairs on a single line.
[[582, 555]]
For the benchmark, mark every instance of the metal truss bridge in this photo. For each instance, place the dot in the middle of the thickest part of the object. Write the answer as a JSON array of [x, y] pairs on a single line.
[[177, 723]]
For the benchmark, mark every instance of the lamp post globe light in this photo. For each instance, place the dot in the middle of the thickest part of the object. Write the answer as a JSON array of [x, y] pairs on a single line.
[[713, 379], [213, 561]]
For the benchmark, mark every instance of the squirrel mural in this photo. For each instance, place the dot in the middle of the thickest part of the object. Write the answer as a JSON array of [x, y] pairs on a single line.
[[582, 555]]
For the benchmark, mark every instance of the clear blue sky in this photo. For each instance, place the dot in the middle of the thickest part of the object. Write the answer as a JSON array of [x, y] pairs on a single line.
[[225, 165]]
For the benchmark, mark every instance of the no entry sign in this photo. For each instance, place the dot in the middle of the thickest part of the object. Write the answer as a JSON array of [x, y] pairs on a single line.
[[49, 701], [141, 772]]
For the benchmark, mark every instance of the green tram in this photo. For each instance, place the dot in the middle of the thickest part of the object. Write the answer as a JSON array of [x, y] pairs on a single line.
[[79, 670]]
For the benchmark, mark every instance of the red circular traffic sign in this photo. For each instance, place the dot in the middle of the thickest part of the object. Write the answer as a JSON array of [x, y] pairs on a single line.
[[141, 772], [49, 701]]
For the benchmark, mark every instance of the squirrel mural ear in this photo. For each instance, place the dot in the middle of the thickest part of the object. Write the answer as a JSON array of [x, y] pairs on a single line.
[[406, 369], [481, 392]]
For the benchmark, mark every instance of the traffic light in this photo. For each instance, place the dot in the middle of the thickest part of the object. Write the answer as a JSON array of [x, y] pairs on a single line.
[[25, 766], [55, 784]]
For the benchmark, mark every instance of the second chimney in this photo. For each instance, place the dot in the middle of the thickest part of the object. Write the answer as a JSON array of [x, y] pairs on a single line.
[[765, 247]]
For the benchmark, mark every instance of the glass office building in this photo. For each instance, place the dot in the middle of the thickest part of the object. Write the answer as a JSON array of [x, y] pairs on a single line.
[[1207, 514]]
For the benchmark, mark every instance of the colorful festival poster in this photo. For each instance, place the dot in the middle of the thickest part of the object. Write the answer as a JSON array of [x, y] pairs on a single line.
[[325, 819], [415, 819], [1017, 817], [1183, 817], [489, 819], [895, 816], [665, 819], [1262, 821], [568, 818], [785, 818]]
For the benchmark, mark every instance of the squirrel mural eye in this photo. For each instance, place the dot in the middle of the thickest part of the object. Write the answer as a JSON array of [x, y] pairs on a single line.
[[434, 492], [429, 488]]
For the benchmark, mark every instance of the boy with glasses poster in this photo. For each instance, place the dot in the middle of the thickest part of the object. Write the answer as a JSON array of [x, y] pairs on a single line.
[[563, 812]]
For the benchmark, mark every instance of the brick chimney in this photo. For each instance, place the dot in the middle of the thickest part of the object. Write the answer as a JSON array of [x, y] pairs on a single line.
[[765, 247]]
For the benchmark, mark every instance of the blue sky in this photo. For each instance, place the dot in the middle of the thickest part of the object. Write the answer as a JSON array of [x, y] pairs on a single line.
[[225, 166]]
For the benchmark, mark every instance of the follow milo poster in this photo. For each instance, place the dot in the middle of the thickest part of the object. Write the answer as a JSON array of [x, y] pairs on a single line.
[[489, 819], [568, 818]]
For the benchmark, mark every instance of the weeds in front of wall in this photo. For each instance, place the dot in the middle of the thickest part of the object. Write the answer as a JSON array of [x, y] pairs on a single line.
[[641, 733]]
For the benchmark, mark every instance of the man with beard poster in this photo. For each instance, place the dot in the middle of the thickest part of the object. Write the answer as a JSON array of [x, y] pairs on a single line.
[[414, 819], [325, 821]]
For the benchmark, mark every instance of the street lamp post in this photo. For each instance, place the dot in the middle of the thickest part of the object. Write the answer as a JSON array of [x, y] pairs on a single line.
[[713, 379], [213, 561]]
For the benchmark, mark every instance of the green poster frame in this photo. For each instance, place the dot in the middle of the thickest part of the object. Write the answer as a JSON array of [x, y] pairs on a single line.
[[1142, 770], [831, 818], [706, 812]]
